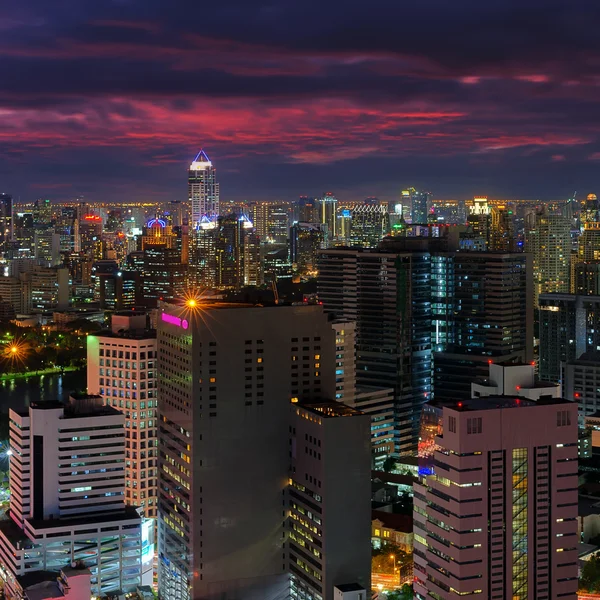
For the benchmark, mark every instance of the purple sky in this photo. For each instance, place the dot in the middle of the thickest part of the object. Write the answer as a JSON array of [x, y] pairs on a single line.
[[112, 99]]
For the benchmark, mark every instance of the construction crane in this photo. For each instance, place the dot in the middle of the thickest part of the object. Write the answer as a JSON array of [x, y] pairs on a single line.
[[274, 287]]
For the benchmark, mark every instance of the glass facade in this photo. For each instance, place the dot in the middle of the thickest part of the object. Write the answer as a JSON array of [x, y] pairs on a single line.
[[520, 532]]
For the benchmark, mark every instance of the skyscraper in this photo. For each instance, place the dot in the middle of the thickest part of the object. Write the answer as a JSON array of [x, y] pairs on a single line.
[[6, 221], [388, 294], [502, 231], [369, 223], [203, 189], [495, 514], [244, 481], [489, 318], [548, 240], [569, 326], [418, 205], [327, 207]]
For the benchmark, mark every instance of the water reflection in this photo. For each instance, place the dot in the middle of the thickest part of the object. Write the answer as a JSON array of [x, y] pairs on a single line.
[[18, 393]]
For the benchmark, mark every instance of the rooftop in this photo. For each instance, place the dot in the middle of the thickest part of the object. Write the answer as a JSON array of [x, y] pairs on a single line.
[[495, 402], [128, 334]]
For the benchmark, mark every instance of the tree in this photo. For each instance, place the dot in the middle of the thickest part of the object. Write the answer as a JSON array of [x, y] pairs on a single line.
[[389, 463], [590, 575]]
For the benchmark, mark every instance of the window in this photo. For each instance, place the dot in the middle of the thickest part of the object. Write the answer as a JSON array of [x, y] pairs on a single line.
[[474, 425], [563, 417], [452, 424]]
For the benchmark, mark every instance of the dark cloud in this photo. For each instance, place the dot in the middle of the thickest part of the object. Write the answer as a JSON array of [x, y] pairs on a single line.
[[111, 99]]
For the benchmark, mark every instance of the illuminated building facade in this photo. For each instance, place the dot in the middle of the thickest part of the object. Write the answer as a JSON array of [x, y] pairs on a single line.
[[121, 367], [251, 529], [67, 478], [569, 325], [306, 240], [327, 211], [369, 223], [203, 189], [548, 239], [6, 221], [418, 205], [495, 512], [502, 231], [388, 295]]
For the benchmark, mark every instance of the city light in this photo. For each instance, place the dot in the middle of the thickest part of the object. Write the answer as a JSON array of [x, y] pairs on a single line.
[[191, 303]]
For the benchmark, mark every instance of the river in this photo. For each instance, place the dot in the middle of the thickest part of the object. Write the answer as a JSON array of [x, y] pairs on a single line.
[[18, 393]]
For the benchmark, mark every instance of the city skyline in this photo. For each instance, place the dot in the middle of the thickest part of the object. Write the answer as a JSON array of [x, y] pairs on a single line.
[[112, 102]]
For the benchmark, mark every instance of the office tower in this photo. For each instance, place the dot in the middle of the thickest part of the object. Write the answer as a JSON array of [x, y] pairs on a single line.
[[569, 325], [47, 246], [202, 263], [163, 275], [418, 205], [277, 225], [121, 367], [369, 223], [6, 221], [306, 240], [114, 288], [157, 233], [548, 240], [222, 513], [581, 383], [90, 236], [585, 277], [489, 318], [388, 295], [260, 217], [24, 234], [327, 207], [43, 213], [496, 514], [67, 480], [410, 302], [306, 210], [45, 289], [203, 189], [502, 232], [253, 273], [10, 292]]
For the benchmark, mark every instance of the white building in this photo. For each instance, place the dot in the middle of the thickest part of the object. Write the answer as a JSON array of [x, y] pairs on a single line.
[[203, 189], [67, 481], [122, 369], [514, 380]]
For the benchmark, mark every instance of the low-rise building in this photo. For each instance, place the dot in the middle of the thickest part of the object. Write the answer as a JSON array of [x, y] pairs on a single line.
[[388, 528]]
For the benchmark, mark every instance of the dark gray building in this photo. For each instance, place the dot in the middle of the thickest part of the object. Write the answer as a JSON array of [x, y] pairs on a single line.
[[237, 467]]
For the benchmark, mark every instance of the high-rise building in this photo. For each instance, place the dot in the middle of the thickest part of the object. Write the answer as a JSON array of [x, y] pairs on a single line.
[[585, 277], [306, 240], [327, 207], [202, 263], [388, 295], [251, 528], [369, 223], [203, 189], [114, 288], [548, 240], [6, 221], [67, 479], [306, 210], [581, 383], [418, 205], [47, 246], [488, 318], [569, 325], [163, 275], [121, 367], [45, 289], [24, 234], [495, 514], [43, 213], [502, 231]]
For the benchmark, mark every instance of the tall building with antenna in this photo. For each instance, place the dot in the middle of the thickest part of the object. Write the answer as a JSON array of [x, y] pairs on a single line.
[[203, 189]]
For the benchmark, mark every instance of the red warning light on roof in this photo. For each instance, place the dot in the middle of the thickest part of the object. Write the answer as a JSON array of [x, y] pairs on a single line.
[[95, 218]]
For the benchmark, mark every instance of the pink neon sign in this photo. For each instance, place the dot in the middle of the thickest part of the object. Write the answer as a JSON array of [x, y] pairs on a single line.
[[173, 320]]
